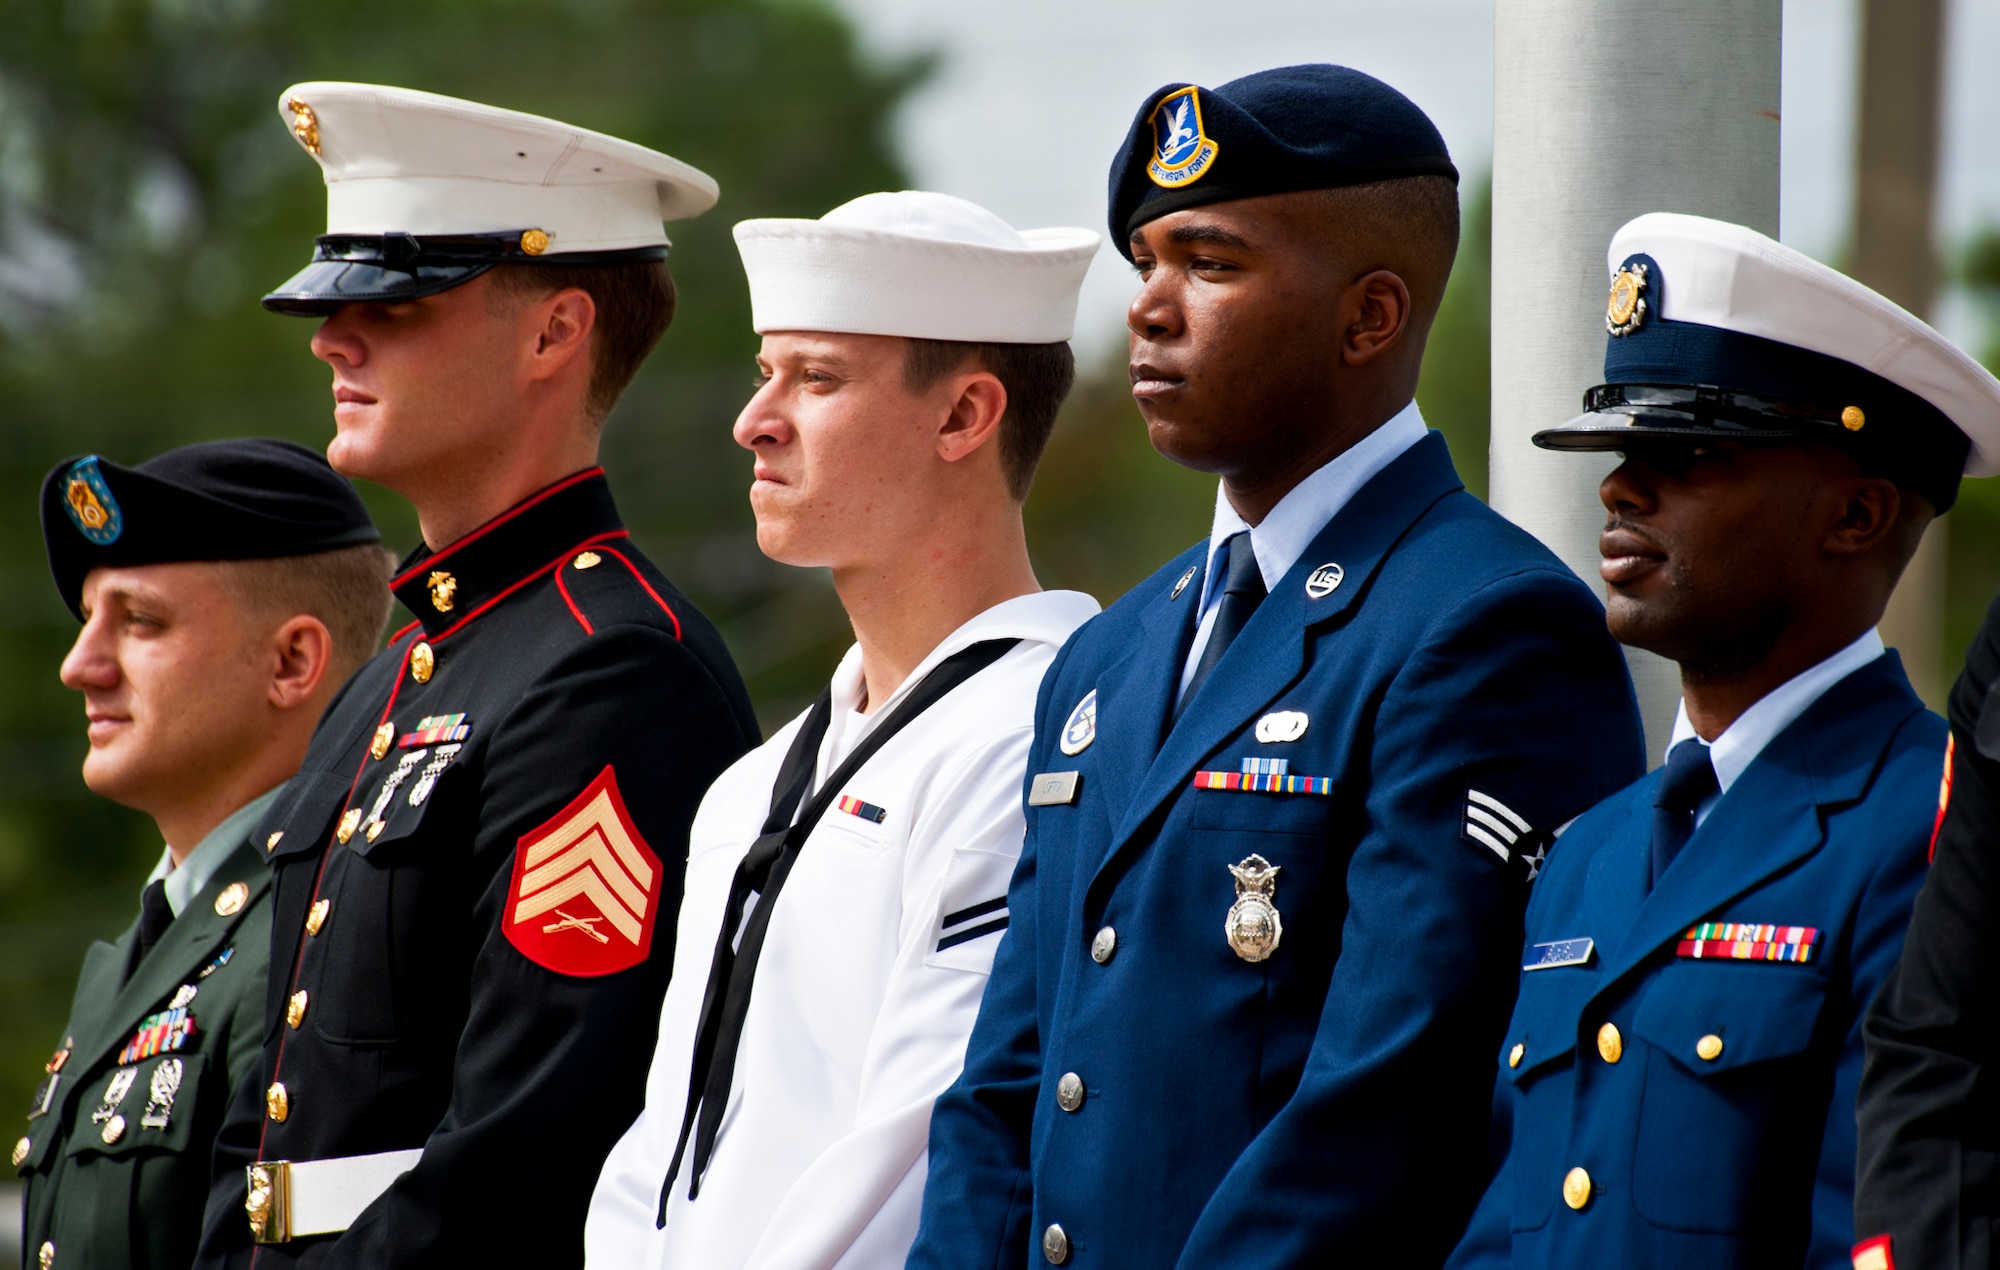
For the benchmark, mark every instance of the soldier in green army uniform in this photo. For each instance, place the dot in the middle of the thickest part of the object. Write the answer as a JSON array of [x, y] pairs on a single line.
[[226, 591]]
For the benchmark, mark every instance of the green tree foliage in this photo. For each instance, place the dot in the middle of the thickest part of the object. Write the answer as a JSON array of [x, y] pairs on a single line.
[[1972, 552], [1456, 390]]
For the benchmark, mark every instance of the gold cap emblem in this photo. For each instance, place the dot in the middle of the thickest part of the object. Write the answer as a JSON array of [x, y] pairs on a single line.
[[443, 586], [1253, 926], [305, 124], [1625, 312], [231, 901], [385, 736], [587, 560], [534, 241], [1853, 419], [88, 509], [422, 663], [349, 823]]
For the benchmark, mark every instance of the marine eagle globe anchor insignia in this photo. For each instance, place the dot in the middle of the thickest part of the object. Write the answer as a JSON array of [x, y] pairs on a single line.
[[1253, 926], [1625, 311]]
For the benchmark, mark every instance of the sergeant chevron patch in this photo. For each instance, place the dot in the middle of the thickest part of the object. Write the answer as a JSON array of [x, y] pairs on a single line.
[[586, 886]]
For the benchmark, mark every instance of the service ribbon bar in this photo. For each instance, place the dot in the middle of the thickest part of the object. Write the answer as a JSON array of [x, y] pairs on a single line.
[[1272, 783], [437, 729], [1748, 941], [158, 1034], [867, 811]]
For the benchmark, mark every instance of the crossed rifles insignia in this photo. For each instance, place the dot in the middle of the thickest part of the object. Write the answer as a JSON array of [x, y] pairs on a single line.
[[585, 892]]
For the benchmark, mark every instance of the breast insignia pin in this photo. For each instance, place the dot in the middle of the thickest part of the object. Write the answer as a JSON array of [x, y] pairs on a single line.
[[1181, 585], [1324, 581], [1081, 728], [1253, 925], [160, 1094]]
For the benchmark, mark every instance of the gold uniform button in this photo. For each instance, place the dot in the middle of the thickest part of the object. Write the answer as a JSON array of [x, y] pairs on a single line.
[[1853, 418], [1104, 945], [21, 1151], [1069, 1091], [295, 1010], [47, 1256], [1055, 1244], [271, 843], [375, 829], [534, 241], [422, 662], [587, 560], [1576, 1188], [1515, 1055], [231, 901], [385, 736], [1610, 1045], [1709, 1048], [348, 824], [316, 916], [113, 1130], [277, 1103]]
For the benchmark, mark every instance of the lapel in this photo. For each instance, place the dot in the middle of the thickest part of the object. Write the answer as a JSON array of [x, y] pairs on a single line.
[[1768, 821], [1135, 692], [1270, 650], [195, 935]]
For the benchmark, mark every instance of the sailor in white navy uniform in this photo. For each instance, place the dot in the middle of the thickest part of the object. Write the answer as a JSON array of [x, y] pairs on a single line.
[[915, 353]]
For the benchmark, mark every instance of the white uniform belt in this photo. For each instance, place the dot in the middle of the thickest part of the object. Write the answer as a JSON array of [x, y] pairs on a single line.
[[290, 1199]]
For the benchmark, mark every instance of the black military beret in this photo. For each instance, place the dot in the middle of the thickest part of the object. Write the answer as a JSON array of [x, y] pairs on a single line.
[[1313, 127], [257, 498]]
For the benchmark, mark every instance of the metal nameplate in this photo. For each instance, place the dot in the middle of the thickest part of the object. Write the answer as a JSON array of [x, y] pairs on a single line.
[[1561, 952], [1053, 789]]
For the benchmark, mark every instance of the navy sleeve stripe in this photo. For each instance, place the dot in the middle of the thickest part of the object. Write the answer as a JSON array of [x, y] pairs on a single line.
[[977, 910], [972, 933]]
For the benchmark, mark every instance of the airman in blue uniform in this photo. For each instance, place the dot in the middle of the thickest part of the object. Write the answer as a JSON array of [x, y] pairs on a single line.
[[1677, 1085], [1285, 798]]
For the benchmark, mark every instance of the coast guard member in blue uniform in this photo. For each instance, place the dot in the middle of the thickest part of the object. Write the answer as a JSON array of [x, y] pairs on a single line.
[[1286, 797], [1677, 1085]]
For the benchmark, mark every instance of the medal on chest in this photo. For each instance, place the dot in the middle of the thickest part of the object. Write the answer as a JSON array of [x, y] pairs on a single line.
[[1253, 926]]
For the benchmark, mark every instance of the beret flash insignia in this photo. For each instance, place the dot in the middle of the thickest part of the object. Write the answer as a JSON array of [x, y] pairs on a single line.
[[91, 507], [1182, 152]]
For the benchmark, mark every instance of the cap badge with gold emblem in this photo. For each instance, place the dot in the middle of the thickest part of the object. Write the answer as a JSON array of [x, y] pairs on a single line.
[[443, 586], [1253, 925], [1625, 311], [305, 124]]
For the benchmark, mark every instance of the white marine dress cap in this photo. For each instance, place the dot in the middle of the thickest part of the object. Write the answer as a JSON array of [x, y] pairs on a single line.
[[1717, 331], [915, 264], [424, 192]]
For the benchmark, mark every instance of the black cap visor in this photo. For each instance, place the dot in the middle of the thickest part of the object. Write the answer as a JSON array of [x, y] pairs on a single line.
[[390, 268]]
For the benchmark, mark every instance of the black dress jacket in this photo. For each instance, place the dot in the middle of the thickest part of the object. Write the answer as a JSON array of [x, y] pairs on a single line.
[[477, 876]]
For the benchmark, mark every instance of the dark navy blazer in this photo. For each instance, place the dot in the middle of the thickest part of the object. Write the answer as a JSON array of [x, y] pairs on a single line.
[[1333, 1098], [1699, 1156]]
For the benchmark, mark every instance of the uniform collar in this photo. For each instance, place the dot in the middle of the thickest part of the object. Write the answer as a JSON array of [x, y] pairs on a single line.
[[448, 588], [186, 881], [1290, 527]]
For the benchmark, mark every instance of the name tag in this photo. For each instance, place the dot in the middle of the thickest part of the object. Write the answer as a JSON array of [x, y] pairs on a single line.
[[1053, 789], [1561, 952]]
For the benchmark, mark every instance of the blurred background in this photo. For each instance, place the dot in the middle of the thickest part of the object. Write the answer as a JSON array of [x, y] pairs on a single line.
[[149, 195]]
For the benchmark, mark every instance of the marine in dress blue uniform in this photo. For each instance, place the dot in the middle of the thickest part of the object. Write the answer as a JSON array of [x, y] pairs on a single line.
[[1285, 798], [1677, 1084], [476, 874]]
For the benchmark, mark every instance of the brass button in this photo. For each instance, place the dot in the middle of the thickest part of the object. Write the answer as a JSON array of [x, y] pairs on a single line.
[[1104, 945], [1069, 1091], [1576, 1188], [375, 829], [47, 1256], [534, 241], [271, 843], [231, 901], [295, 1011], [422, 662], [316, 916], [277, 1103], [1515, 1055], [348, 824], [587, 560], [1055, 1245], [1853, 418], [1610, 1045], [1709, 1047], [385, 736], [113, 1130], [21, 1151]]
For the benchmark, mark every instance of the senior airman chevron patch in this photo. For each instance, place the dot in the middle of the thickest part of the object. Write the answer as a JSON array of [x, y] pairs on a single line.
[[586, 887]]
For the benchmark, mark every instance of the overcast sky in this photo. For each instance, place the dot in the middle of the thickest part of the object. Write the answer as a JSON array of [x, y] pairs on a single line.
[[1034, 96]]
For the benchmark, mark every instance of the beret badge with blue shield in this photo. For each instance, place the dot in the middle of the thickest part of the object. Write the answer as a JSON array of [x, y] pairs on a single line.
[[1719, 333], [90, 505], [1182, 151]]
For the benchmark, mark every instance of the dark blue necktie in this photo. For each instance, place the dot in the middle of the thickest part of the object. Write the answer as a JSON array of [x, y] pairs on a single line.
[[1688, 780], [1242, 592]]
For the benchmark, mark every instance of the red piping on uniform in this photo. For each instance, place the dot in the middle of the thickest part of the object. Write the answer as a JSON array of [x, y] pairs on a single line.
[[405, 631], [498, 521], [557, 563], [1944, 794], [649, 590], [574, 611], [319, 875]]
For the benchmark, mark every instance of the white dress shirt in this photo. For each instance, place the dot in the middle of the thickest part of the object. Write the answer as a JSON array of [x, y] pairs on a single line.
[[185, 881], [1291, 526], [1742, 741], [863, 1000]]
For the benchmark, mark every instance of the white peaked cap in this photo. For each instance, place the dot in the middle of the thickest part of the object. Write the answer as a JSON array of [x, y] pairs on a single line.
[[916, 264], [1723, 275], [399, 161]]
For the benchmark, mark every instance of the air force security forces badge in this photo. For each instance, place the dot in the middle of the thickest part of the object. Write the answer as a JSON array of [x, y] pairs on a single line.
[[1253, 925], [1182, 152], [1081, 728]]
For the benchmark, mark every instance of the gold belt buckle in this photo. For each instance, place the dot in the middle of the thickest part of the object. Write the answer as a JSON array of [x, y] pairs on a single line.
[[269, 1202]]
